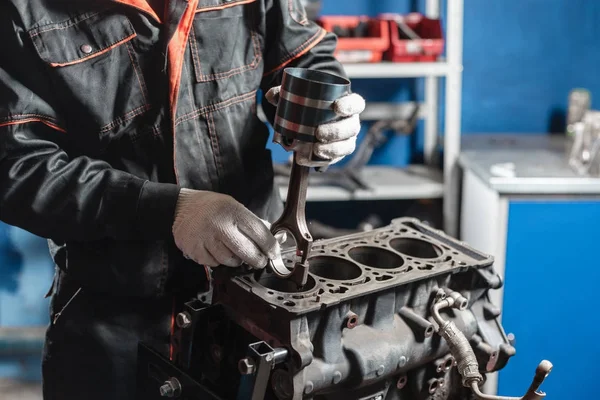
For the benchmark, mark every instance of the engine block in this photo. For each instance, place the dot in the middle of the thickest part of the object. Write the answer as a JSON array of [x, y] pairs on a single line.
[[361, 328]]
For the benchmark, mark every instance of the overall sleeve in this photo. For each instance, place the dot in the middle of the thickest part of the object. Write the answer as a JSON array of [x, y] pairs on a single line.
[[43, 189], [294, 41]]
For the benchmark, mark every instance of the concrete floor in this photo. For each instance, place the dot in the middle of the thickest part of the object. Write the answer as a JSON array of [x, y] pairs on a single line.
[[17, 390]]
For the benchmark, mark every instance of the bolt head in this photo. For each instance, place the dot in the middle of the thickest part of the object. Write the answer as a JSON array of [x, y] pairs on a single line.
[[171, 388], [183, 320], [380, 370], [246, 366], [440, 295], [166, 390], [511, 339]]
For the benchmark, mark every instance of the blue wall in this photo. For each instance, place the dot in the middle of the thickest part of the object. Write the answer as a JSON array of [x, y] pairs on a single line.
[[522, 57]]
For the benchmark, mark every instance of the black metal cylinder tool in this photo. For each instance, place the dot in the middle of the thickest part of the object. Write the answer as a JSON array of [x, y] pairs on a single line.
[[305, 102]]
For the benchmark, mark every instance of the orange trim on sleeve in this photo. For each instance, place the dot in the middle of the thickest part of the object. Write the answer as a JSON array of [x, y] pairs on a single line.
[[127, 39], [175, 55], [141, 5], [214, 8], [27, 120], [309, 45]]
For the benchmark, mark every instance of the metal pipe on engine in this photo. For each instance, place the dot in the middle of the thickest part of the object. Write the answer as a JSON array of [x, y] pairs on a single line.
[[464, 355]]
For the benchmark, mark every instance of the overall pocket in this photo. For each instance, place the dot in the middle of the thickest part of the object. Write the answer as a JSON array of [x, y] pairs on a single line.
[[224, 41], [93, 65]]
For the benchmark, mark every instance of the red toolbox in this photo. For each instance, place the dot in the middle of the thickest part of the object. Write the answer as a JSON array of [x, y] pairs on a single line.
[[360, 39], [413, 37]]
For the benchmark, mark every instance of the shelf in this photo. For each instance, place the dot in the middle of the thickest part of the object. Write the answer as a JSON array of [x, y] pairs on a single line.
[[388, 183], [387, 111], [396, 70]]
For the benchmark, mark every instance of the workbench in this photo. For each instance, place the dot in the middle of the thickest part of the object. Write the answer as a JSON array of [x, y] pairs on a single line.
[[523, 204]]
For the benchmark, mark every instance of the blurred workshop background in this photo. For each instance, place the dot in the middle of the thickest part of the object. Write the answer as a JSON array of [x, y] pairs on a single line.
[[521, 186]]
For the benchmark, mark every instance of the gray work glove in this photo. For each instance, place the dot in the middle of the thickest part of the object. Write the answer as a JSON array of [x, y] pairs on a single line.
[[214, 229], [336, 139]]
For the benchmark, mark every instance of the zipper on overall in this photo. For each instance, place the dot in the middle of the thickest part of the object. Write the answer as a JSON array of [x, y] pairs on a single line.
[[58, 314]]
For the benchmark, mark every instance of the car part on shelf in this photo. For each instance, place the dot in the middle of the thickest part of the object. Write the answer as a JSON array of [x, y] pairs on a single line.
[[376, 137], [584, 151], [360, 38], [363, 327], [583, 131], [413, 38], [348, 176], [580, 101]]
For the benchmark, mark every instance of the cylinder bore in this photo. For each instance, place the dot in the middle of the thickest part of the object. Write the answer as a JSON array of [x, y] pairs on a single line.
[[375, 257], [271, 281], [416, 248], [334, 268]]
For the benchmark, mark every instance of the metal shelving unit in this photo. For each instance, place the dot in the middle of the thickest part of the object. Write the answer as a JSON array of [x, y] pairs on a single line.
[[430, 183], [449, 68]]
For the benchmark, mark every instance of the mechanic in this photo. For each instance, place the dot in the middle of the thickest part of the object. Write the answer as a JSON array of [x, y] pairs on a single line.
[[129, 138]]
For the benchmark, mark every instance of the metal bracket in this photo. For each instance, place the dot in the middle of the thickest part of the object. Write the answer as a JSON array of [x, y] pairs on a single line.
[[256, 370], [196, 313]]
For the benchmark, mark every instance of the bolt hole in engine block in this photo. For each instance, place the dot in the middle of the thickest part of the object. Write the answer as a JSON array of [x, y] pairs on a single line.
[[416, 248], [376, 257], [449, 363], [433, 385]]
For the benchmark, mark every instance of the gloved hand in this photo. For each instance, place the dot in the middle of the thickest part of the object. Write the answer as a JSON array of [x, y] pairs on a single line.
[[214, 229], [335, 139]]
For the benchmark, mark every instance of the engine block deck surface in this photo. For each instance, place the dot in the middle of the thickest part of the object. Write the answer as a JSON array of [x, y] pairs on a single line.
[[345, 268]]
